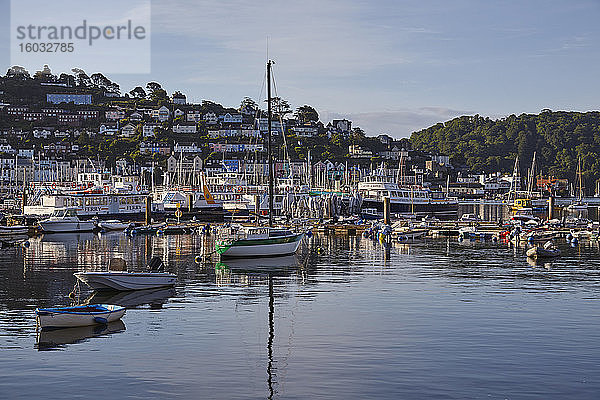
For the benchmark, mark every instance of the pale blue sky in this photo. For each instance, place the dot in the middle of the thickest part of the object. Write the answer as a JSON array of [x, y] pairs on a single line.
[[389, 66]]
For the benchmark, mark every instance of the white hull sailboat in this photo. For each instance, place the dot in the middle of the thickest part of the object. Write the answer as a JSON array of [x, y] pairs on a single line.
[[262, 241], [265, 245]]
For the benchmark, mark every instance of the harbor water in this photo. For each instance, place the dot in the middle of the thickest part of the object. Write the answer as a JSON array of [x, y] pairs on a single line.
[[343, 319]]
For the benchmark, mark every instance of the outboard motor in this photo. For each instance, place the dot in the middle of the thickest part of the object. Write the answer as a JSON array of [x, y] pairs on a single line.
[[156, 265]]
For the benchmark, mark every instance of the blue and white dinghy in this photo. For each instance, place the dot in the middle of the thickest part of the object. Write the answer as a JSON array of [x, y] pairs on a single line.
[[64, 317]]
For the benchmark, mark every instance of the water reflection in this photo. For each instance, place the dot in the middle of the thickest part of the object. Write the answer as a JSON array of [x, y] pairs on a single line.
[[58, 338], [324, 320], [155, 298]]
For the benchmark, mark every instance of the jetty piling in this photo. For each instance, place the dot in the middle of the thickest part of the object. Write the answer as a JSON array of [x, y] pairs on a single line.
[[386, 210], [148, 215]]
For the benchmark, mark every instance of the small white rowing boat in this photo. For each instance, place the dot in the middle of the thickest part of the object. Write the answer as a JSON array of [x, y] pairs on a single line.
[[113, 225], [65, 317]]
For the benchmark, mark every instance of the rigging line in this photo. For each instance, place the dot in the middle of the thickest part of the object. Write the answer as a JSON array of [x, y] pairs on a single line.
[[285, 144]]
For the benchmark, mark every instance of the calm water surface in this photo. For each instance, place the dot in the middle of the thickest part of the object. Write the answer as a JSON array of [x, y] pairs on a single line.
[[430, 319]]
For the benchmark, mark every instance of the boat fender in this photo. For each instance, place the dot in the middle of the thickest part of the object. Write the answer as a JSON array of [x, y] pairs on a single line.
[[159, 232], [569, 237], [26, 244], [100, 320], [574, 241], [198, 260], [530, 239], [309, 234]]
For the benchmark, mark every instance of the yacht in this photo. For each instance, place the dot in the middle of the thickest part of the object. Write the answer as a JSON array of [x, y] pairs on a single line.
[[65, 220]]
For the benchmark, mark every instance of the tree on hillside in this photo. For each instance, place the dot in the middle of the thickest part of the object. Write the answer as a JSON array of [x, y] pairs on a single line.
[[248, 106], [152, 86], [67, 78], [306, 114], [138, 92], [45, 75], [281, 107], [156, 93], [17, 72], [81, 78]]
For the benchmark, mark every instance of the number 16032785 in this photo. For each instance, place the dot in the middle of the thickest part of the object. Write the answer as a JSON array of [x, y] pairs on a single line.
[[46, 47]]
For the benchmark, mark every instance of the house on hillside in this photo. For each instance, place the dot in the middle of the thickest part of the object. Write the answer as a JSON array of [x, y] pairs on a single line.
[[161, 114], [128, 130]]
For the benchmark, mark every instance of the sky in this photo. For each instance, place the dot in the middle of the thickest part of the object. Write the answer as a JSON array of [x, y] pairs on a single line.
[[390, 66]]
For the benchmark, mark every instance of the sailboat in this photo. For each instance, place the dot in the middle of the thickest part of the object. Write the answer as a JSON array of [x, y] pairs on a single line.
[[261, 241], [578, 205]]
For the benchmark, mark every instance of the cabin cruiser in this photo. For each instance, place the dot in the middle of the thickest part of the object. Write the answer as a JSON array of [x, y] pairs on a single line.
[[65, 220]]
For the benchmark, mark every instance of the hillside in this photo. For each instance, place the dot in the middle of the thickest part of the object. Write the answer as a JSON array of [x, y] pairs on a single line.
[[485, 145]]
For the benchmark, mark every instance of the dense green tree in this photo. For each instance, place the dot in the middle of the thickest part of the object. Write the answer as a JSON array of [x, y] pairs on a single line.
[[484, 145], [306, 114]]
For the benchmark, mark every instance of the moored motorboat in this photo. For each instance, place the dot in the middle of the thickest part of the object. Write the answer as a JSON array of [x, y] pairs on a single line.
[[65, 220], [64, 317], [546, 251], [123, 280]]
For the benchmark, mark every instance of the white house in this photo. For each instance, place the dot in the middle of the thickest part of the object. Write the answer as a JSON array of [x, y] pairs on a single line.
[[178, 113], [184, 129], [136, 116], [304, 131], [194, 116], [149, 129], [179, 98], [41, 133], [114, 115], [25, 153], [186, 148], [7, 148], [62, 134], [128, 130], [231, 118], [211, 118], [263, 125], [162, 114], [108, 129]]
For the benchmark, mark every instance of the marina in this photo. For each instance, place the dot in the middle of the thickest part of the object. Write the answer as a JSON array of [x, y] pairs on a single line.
[[292, 200]]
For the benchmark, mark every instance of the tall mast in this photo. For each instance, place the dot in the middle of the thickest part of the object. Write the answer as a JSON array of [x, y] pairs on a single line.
[[269, 155], [580, 194]]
